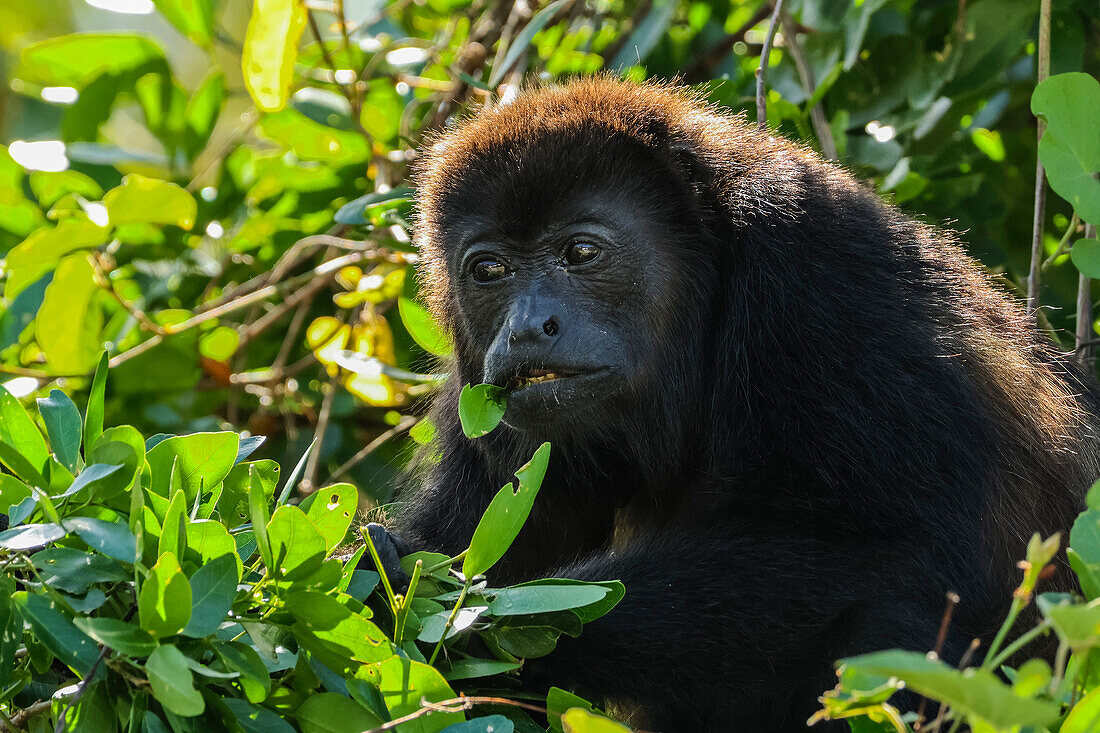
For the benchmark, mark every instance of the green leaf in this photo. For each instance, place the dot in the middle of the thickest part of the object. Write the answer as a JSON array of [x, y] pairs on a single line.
[[1078, 624], [233, 503], [30, 536], [974, 692], [331, 510], [257, 506], [19, 431], [481, 408], [404, 683], [173, 532], [113, 539], [313, 141], [327, 712], [213, 588], [1070, 146], [579, 720], [338, 637], [243, 659], [194, 18], [76, 59], [270, 49], [121, 636], [544, 598], [254, 719], [68, 323], [352, 212], [470, 668], [297, 546], [42, 251], [1085, 716], [93, 419], [558, 702], [164, 604], [73, 570], [523, 40], [90, 476], [1085, 254], [56, 632], [141, 200], [220, 343], [50, 186], [505, 516], [62, 421], [423, 328], [173, 686], [204, 460], [488, 724]]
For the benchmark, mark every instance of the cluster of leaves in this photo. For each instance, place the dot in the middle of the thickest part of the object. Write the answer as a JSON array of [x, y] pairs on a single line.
[[166, 584], [994, 697], [233, 228]]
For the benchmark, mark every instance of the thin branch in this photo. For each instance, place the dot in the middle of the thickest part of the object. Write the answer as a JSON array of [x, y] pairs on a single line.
[[809, 84], [1064, 243], [456, 705], [29, 712], [762, 69], [1035, 272], [405, 424], [308, 483], [1084, 310], [81, 688]]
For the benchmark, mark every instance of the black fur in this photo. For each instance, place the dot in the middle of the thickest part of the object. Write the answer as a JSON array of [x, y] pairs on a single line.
[[834, 417]]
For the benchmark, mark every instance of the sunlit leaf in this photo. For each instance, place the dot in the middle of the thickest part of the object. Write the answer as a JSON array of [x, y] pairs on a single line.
[[141, 200], [194, 18], [423, 328], [164, 604], [505, 516], [481, 407], [68, 323], [74, 60], [172, 683], [43, 250], [270, 49]]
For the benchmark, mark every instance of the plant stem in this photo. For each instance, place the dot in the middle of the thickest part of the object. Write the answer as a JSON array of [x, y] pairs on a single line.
[[381, 570], [1040, 175], [448, 562], [406, 602], [1018, 604], [1016, 645], [450, 620], [762, 69]]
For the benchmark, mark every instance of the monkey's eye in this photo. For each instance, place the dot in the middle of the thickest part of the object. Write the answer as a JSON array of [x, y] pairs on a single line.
[[580, 252], [488, 270]]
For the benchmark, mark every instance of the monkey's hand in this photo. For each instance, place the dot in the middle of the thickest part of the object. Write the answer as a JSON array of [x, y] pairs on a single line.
[[391, 549]]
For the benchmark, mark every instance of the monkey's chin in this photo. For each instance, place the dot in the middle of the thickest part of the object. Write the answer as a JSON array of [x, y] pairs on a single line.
[[556, 401]]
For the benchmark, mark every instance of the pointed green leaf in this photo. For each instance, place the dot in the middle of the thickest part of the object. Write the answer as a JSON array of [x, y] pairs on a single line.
[[93, 419], [172, 683], [297, 546], [30, 536], [405, 682], [19, 432], [340, 638], [121, 636], [62, 421], [164, 604], [423, 328], [113, 539], [174, 527], [213, 588], [505, 516], [56, 632], [257, 506], [194, 18], [76, 59]]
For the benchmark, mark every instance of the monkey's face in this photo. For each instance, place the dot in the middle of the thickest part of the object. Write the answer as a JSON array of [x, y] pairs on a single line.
[[561, 306]]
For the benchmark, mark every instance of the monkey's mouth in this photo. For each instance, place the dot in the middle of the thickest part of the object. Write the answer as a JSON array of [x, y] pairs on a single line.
[[537, 376]]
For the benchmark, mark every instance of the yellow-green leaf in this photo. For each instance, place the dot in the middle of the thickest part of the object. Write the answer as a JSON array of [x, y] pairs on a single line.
[[141, 200], [34, 256], [270, 49], [68, 323]]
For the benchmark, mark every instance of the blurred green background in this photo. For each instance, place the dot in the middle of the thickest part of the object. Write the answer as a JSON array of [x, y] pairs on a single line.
[[161, 159]]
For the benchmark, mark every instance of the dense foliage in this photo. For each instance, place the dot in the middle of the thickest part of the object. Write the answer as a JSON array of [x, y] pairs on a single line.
[[218, 196]]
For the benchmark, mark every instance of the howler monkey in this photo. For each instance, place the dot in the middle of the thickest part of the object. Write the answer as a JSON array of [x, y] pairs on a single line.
[[786, 415]]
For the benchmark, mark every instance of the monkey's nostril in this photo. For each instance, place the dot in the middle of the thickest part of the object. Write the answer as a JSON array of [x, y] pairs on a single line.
[[550, 328]]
